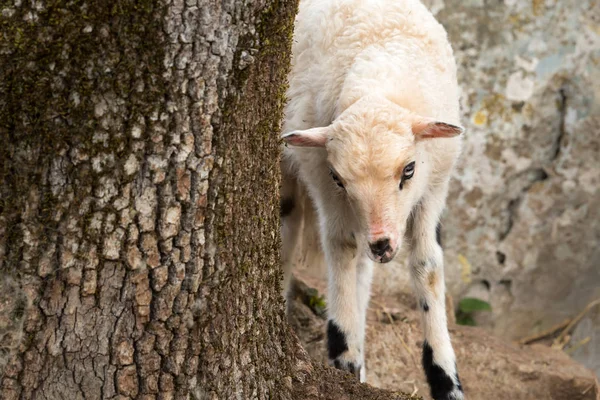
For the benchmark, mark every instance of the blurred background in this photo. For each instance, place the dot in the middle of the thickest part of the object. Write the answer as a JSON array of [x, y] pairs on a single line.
[[522, 226]]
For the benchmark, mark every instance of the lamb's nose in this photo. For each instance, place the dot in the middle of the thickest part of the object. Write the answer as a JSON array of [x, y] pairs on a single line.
[[380, 247]]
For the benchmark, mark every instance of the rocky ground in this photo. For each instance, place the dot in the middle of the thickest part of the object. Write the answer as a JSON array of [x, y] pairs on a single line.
[[490, 368]]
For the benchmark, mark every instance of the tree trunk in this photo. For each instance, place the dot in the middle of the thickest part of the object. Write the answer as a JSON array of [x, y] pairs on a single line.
[[139, 251]]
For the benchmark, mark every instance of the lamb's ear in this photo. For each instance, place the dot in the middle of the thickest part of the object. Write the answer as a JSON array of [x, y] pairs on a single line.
[[424, 128], [314, 137]]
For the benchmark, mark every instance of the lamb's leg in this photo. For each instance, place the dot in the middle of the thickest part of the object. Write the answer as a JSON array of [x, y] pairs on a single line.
[[345, 328], [364, 276], [291, 224], [427, 273]]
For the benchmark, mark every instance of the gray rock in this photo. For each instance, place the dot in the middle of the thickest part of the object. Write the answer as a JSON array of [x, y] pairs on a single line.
[[585, 342], [523, 211]]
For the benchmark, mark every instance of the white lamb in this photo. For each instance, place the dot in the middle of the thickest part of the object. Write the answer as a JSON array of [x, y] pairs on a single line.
[[372, 133]]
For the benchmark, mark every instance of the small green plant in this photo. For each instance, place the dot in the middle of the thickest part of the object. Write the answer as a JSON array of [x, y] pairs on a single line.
[[468, 306], [316, 302]]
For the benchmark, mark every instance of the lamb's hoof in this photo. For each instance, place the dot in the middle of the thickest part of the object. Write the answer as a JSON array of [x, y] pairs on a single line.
[[355, 369], [443, 386]]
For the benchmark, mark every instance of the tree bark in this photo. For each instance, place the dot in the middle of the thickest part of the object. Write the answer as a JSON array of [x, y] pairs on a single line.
[[139, 250]]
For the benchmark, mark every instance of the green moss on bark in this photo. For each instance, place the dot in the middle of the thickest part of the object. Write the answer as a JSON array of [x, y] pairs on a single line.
[[57, 63]]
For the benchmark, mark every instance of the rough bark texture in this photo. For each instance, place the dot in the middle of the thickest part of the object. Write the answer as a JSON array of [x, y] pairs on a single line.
[[139, 250]]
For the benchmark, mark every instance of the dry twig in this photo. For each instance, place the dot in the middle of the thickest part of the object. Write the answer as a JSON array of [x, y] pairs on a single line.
[[560, 341], [577, 345], [546, 333]]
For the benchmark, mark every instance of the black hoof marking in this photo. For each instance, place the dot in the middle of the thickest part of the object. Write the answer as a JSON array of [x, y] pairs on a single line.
[[286, 206], [438, 233], [349, 367], [336, 341], [352, 368], [336, 346], [440, 383]]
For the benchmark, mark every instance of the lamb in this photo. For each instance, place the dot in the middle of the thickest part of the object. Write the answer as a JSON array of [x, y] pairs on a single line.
[[372, 134]]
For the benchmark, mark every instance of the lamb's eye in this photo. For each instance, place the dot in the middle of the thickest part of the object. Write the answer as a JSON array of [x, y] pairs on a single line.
[[409, 171], [336, 179]]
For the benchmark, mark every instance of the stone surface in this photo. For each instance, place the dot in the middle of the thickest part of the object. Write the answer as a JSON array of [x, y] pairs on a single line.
[[489, 367], [586, 341], [524, 205], [521, 228]]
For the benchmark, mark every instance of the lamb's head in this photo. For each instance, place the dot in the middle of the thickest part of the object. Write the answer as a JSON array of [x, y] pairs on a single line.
[[375, 160]]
